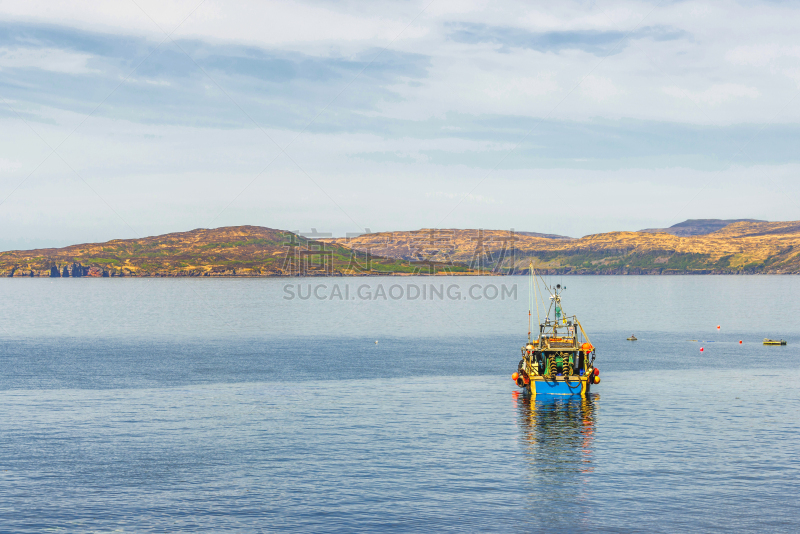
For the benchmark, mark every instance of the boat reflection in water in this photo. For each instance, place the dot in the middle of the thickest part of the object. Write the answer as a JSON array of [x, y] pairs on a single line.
[[557, 437]]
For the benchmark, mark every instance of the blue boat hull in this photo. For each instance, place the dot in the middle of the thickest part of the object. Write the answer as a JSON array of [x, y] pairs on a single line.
[[551, 387]]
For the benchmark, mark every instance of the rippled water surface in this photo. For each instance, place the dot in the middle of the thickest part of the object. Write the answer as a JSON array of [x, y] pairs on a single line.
[[213, 405]]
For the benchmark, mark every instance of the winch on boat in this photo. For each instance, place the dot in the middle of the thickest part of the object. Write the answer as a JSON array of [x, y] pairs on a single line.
[[560, 360]]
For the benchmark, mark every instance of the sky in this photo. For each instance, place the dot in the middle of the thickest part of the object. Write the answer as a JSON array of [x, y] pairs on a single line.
[[132, 118]]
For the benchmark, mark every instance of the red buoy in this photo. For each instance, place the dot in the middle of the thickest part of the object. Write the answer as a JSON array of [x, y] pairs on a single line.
[[596, 371], [740, 342], [701, 349], [717, 327]]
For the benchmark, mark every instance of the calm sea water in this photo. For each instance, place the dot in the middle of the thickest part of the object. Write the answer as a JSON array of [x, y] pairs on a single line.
[[213, 405]]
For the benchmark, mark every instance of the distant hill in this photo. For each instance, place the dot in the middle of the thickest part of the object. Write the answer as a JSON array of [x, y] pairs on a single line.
[[440, 244], [743, 247], [692, 227], [230, 251], [740, 247], [546, 236]]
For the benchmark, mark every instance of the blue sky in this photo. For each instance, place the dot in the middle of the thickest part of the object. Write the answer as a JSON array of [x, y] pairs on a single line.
[[573, 119]]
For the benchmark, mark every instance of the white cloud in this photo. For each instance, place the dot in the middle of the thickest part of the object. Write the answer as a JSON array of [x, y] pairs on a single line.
[[7, 165], [599, 89], [793, 74], [50, 59], [148, 81], [716, 94], [714, 40], [163, 177], [267, 23], [462, 197], [522, 87], [761, 54]]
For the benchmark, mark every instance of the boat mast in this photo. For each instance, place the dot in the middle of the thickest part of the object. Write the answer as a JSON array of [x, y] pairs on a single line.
[[530, 297], [533, 294]]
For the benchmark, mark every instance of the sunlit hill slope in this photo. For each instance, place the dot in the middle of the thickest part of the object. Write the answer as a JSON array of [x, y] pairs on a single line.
[[741, 247], [738, 248], [230, 251]]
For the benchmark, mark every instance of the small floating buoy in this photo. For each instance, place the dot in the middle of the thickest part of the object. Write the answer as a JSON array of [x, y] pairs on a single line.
[[740, 342], [376, 341], [717, 327], [701, 349]]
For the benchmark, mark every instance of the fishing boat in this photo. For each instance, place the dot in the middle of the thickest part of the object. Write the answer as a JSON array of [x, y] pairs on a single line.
[[632, 338], [768, 341], [560, 359]]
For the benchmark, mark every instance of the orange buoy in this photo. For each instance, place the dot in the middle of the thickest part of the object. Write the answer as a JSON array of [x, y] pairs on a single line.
[[717, 327], [514, 376]]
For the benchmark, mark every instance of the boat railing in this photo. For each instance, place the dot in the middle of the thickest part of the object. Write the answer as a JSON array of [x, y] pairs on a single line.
[[561, 345]]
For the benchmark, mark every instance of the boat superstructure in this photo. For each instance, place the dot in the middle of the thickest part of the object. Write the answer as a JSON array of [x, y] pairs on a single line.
[[560, 359]]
